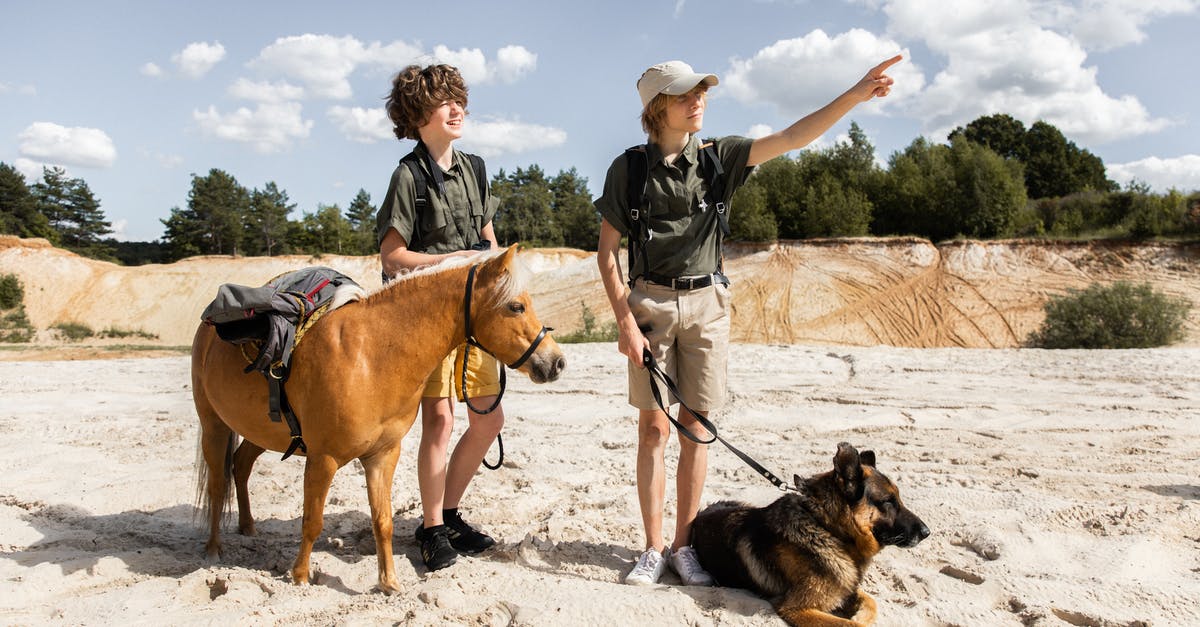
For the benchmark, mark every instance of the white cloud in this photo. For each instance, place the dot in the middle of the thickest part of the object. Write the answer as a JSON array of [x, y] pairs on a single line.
[[801, 75], [21, 90], [150, 69], [268, 128], [513, 63], [324, 64], [245, 89], [759, 130], [196, 59], [362, 125], [1107, 24], [495, 136], [30, 168], [321, 62], [1006, 56], [79, 146], [1182, 173]]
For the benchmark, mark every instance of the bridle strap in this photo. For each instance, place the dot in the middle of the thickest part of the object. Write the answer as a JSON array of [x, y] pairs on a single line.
[[656, 372]]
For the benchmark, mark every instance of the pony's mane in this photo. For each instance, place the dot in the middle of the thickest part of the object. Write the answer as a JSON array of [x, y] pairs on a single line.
[[515, 281]]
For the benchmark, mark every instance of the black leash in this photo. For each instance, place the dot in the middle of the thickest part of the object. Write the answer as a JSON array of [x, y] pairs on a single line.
[[656, 372], [471, 341]]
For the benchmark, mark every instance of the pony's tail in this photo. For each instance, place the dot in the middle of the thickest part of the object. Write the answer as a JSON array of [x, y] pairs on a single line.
[[203, 502]]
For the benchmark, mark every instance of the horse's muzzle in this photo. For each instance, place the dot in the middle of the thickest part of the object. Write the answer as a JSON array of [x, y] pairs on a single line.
[[546, 364]]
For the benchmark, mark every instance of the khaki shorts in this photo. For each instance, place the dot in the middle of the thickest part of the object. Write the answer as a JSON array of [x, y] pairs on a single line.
[[483, 376], [688, 332]]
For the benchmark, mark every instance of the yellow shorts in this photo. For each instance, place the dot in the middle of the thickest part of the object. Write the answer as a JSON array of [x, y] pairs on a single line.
[[483, 376], [688, 332]]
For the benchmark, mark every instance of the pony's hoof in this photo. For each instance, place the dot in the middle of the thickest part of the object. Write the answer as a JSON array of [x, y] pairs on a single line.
[[247, 530], [388, 588], [212, 552]]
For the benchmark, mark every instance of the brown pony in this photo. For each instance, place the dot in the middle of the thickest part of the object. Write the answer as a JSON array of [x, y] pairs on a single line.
[[355, 385]]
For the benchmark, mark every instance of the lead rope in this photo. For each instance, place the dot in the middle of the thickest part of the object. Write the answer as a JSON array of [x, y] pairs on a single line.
[[656, 372]]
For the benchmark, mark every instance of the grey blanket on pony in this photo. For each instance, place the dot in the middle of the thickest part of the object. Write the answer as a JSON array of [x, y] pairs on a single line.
[[271, 314]]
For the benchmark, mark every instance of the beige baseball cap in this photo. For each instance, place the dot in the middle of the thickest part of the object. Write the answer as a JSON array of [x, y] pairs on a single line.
[[673, 78]]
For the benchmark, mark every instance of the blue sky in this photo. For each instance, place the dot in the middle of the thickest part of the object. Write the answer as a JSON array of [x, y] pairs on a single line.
[[134, 97]]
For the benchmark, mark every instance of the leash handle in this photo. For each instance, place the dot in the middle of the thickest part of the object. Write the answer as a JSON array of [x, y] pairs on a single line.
[[656, 372]]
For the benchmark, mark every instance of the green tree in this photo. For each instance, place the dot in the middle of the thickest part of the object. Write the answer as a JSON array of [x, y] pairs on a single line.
[[19, 213], [782, 191], [267, 221], [72, 211], [750, 219], [989, 190], [361, 216], [525, 213], [326, 231], [1001, 132], [212, 223], [918, 195], [832, 209], [579, 220]]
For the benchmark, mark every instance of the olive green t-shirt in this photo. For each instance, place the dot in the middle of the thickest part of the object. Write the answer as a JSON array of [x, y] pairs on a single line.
[[455, 216], [684, 232]]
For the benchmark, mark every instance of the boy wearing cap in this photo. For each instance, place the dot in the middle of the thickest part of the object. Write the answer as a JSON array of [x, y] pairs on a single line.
[[451, 219], [677, 304]]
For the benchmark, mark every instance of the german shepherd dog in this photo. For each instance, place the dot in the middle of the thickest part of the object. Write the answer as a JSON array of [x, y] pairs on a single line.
[[807, 552]]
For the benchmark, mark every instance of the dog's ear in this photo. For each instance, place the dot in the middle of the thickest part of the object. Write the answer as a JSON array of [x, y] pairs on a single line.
[[847, 465], [867, 458], [796, 481]]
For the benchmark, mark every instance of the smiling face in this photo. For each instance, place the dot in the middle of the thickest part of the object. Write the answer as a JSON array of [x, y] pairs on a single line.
[[444, 124]]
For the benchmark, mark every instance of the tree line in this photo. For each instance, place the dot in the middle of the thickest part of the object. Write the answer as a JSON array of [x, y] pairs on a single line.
[[992, 178]]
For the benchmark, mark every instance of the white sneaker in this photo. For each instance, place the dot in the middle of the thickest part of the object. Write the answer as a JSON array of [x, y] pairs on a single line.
[[685, 564], [649, 568]]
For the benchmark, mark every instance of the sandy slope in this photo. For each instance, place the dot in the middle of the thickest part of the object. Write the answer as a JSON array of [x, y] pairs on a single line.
[[896, 292], [1060, 487]]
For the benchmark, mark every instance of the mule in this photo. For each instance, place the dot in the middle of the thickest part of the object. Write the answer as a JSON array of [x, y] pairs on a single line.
[[355, 385]]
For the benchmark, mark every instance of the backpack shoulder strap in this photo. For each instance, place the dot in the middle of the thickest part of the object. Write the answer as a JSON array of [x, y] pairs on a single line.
[[480, 169], [714, 179], [410, 161], [637, 173]]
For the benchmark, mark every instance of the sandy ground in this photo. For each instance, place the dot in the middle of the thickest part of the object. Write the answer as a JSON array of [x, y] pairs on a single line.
[[1061, 488]]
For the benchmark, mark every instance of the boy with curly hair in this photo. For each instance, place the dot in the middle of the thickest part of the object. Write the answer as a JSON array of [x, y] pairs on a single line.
[[453, 218]]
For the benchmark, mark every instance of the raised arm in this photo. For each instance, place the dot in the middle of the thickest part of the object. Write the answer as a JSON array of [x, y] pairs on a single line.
[[876, 84]]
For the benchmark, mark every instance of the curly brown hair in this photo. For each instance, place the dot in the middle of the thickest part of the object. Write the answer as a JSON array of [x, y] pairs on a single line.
[[417, 91]]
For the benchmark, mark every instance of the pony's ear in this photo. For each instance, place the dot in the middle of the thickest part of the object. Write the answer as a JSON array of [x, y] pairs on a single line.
[[497, 266]]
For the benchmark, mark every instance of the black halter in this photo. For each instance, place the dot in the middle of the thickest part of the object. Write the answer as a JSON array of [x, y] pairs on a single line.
[[471, 341]]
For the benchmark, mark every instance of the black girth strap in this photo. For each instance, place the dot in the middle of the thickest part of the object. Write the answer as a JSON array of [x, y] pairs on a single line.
[[279, 409], [656, 372]]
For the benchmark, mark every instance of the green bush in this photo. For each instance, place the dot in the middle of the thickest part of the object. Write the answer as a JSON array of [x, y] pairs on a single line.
[[590, 332], [15, 327], [1121, 315], [12, 294], [117, 332], [74, 331]]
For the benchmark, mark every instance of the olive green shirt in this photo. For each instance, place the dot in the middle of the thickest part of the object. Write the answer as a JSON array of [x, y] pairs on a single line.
[[684, 234], [455, 216]]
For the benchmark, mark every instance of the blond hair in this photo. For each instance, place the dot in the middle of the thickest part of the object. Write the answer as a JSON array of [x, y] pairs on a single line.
[[654, 116]]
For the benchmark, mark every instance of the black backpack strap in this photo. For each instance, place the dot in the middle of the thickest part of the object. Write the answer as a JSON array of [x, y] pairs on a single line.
[[714, 196], [480, 169], [637, 172], [421, 185], [714, 178]]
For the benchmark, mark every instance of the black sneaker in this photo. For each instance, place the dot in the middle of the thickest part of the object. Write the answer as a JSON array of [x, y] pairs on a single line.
[[463, 537], [436, 551]]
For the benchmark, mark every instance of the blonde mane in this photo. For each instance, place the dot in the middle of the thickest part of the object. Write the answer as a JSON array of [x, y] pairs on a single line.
[[511, 284]]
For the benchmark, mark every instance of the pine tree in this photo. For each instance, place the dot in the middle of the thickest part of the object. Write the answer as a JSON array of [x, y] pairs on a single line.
[[267, 221], [19, 213], [361, 216]]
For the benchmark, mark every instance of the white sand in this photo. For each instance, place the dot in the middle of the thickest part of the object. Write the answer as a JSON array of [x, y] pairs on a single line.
[[1061, 488]]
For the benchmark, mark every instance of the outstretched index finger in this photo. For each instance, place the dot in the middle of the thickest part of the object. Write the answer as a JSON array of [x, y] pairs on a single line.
[[882, 67]]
